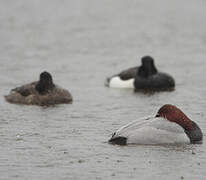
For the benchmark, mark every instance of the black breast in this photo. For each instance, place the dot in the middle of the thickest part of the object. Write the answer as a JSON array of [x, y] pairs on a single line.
[[195, 135]]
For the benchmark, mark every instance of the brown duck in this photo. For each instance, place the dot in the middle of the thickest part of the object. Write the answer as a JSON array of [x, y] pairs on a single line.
[[43, 93]]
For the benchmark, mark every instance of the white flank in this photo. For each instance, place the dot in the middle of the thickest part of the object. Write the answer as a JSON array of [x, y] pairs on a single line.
[[153, 131], [116, 82]]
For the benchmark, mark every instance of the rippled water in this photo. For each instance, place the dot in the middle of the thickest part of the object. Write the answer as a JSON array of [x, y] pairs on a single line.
[[82, 42]]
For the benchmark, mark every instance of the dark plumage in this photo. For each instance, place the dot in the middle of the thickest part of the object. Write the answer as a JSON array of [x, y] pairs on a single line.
[[43, 93], [147, 68], [129, 73], [148, 77], [145, 77], [45, 83]]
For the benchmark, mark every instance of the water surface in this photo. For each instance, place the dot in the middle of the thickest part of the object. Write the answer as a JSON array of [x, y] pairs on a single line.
[[82, 42]]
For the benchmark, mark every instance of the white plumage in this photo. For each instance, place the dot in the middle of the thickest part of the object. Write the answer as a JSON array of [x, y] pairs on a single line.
[[152, 131], [116, 82]]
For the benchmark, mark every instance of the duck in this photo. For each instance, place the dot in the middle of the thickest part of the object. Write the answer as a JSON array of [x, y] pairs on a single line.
[[42, 92], [142, 78], [169, 126]]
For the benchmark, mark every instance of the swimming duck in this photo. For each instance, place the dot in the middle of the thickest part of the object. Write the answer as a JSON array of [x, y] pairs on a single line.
[[169, 126], [144, 77], [43, 93]]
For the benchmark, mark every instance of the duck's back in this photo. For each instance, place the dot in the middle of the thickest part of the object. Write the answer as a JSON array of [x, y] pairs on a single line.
[[128, 73], [28, 95], [152, 131], [56, 96], [20, 94]]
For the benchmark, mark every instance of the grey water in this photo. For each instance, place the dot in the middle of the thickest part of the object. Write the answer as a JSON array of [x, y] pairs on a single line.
[[82, 42]]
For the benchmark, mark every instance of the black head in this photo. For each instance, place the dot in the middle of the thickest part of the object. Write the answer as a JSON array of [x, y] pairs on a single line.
[[45, 77], [147, 68], [45, 83]]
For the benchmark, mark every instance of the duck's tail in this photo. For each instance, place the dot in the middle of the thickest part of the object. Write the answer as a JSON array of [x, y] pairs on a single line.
[[106, 82], [118, 140]]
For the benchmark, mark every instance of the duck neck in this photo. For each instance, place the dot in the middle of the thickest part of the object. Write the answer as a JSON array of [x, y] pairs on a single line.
[[186, 123], [43, 87], [146, 70]]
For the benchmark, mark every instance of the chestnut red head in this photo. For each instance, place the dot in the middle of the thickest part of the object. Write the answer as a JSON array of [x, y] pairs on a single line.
[[174, 114]]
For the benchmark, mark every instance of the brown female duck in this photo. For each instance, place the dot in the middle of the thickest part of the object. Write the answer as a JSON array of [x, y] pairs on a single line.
[[43, 93]]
